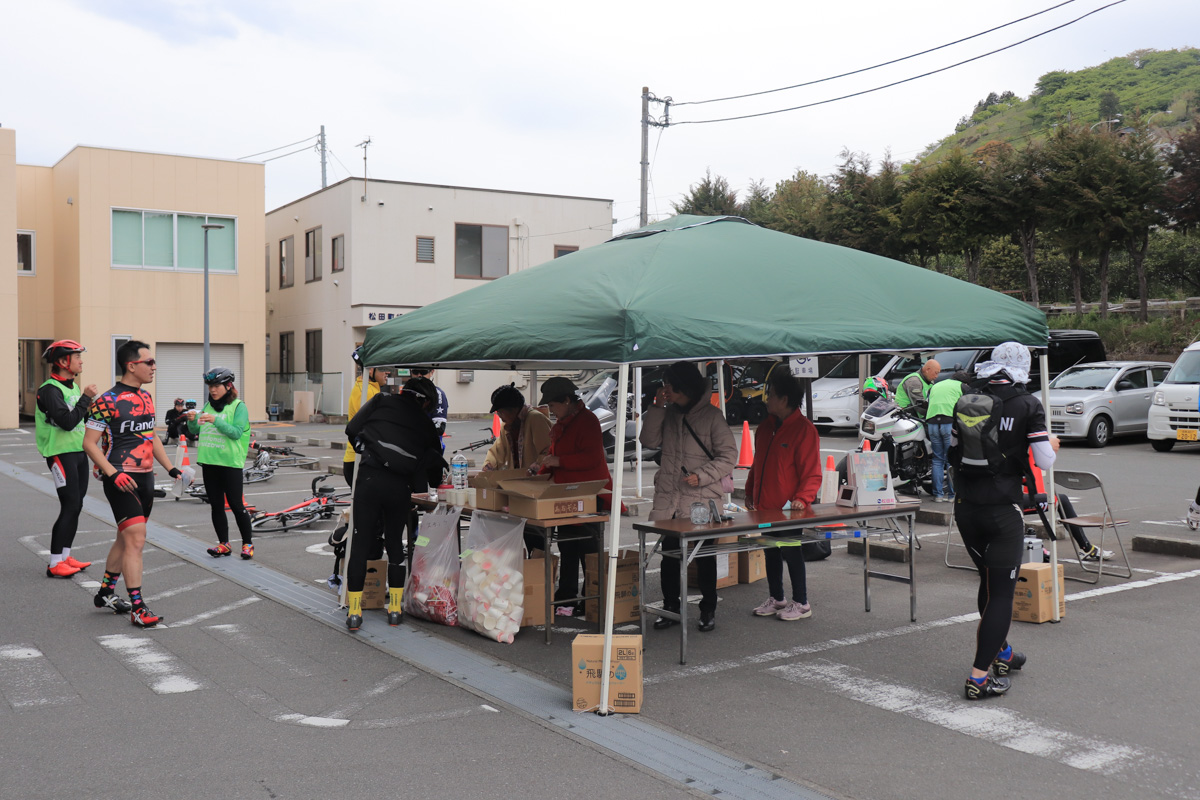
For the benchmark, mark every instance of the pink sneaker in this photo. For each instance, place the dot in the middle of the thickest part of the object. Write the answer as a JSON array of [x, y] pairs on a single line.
[[794, 611], [770, 607]]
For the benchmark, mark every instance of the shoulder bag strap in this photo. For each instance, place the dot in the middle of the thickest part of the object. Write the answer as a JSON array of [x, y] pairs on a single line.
[[707, 452]]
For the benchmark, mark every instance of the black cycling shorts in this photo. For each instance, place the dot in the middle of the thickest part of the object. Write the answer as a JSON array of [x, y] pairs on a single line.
[[994, 534], [131, 508]]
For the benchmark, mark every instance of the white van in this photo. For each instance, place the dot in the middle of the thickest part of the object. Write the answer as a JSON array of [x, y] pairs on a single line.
[[1175, 410]]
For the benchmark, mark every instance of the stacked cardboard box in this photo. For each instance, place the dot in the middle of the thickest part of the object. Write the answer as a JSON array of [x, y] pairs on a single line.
[[375, 593], [540, 499], [625, 673], [625, 605], [1034, 599], [535, 587], [488, 495], [752, 566], [727, 567]]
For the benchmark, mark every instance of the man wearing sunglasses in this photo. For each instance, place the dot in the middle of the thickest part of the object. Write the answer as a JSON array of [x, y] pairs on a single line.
[[123, 420]]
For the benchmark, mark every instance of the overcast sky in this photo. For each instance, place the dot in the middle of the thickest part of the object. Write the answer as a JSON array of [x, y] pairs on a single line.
[[534, 96]]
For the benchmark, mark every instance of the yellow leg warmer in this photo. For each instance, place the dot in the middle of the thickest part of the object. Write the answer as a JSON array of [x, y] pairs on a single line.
[[354, 599], [394, 598]]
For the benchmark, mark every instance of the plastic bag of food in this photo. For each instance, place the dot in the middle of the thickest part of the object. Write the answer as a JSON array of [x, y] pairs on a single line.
[[431, 591], [491, 584]]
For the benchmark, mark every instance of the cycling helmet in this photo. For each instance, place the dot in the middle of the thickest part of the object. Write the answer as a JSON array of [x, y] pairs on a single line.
[[218, 375], [422, 388], [507, 396], [62, 349], [356, 357], [875, 388]]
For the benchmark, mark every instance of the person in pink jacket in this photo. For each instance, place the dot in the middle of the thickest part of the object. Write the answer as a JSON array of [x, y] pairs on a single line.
[[786, 470]]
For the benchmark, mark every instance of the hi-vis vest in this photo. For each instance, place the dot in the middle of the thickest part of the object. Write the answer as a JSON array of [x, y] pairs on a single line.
[[216, 448], [51, 439]]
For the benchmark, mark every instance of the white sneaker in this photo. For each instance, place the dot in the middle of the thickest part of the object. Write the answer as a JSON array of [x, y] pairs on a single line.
[[770, 607], [1193, 517]]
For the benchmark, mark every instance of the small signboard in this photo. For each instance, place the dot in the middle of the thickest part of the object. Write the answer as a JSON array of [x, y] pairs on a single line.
[[803, 367]]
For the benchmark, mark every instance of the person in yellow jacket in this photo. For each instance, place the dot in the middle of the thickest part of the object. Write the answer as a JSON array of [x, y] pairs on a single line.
[[370, 386], [524, 436]]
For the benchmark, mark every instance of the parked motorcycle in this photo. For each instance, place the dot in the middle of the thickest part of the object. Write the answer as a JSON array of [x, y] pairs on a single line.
[[891, 429], [602, 402]]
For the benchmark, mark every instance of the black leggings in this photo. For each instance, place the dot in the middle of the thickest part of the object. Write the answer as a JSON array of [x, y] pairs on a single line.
[[70, 474], [774, 557], [994, 537], [706, 574], [382, 500], [224, 484]]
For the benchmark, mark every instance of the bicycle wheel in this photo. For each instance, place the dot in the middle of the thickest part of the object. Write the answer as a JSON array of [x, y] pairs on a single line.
[[295, 461], [284, 522], [255, 475]]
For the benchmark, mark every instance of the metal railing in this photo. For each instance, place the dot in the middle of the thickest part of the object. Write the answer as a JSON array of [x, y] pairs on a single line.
[[328, 388]]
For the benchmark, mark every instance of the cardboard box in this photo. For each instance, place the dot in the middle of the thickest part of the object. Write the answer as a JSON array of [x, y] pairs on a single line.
[[752, 566], [1033, 600], [727, 567], [625, 605], [488, 496], [540, 499], [375, 590], [625, 673], [535, 587], [627, 567]]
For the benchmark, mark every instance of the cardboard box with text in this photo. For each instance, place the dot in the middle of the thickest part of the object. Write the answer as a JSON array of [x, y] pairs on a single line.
[[1033, 601], [625, 673]]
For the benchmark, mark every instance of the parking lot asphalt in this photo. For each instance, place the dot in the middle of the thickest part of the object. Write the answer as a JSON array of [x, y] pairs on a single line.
[[853, 704]]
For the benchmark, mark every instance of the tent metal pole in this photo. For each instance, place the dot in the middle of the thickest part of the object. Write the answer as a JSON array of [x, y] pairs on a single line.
[[1044, 361], [533, 398], [721, 404], [637, 427], [614, 532]]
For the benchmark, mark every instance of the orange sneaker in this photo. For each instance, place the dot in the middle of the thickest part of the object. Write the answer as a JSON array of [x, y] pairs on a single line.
[[77, 563], [247, 551], [222, 549], [61, 570]]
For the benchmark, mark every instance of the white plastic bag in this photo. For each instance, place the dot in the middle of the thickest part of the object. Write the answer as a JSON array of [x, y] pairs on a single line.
[[431, 591], [491, 587]]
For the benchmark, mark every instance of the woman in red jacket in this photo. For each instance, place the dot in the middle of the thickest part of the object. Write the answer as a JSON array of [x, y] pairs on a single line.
[[576, 454], [787, 469]]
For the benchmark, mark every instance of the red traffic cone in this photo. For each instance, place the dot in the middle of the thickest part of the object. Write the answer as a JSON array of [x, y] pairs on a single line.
[[496, 426], [866, 445], [746, 456], [829, 465], [184, 461]]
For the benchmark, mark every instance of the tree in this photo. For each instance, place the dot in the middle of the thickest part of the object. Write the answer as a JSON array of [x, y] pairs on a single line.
[[863, 209], [945, 207], [757, 205], [711, 197], [1016, 192], [1144, 179], [798, 205], [1182, 192], [1110, 105]]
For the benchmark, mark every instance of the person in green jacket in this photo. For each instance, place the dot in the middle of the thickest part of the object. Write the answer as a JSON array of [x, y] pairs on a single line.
[[938, 424], [913, 391], [224, 430]]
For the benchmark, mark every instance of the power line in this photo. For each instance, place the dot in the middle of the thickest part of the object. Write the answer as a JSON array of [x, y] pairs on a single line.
[[273, 149], [876, 66], [899, 82], [285, 155]]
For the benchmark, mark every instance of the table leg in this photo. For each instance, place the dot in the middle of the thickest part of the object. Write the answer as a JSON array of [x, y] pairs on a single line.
[[683, 601], [549, 593], [867, 572], [912, 570], [642, 586]]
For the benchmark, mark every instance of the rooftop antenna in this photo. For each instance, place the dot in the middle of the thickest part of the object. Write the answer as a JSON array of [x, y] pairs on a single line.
[[364, 144]]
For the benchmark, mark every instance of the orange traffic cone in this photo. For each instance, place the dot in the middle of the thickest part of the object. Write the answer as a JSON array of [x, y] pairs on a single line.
[[496, 426], [746, 456], [866, 445], [181, 455]]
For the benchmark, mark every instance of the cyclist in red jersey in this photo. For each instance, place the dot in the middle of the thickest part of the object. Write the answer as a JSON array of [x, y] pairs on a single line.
[[125, 416]]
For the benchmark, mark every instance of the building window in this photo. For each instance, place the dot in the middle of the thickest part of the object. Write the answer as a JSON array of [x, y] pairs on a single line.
[[25, 253], [338, 256], [312, 352], [561, 250], [480, 251], [167, 240], [268, 266], [287, 264], [425, 249], [285, 353], [312, 255]]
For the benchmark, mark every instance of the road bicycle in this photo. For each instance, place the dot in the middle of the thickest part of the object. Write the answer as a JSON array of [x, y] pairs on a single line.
[[261, 470], [278, 456], [325, 503]]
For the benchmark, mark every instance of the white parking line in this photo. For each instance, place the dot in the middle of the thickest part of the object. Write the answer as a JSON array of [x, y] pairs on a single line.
[[214, 612], [182, 589], [29, 680], [158, 668]]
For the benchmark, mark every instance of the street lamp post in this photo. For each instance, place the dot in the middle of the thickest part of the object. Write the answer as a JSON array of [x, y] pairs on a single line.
[[1105, 122], [207, 227]]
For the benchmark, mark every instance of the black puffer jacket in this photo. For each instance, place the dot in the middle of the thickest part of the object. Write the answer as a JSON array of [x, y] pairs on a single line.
[[392, 432]]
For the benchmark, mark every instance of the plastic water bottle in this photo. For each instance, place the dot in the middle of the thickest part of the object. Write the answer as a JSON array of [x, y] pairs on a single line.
[[458, 470]]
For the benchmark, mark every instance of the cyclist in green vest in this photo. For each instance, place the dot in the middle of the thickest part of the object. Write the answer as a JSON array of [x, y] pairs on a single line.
[[62, 407], [224, 430]]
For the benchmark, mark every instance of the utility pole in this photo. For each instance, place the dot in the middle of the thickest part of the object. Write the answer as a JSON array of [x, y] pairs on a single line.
[[364, 145], [321, 149], [647, 98]]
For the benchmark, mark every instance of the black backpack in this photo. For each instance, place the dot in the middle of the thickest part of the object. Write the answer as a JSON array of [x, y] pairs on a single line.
[[977, 420]]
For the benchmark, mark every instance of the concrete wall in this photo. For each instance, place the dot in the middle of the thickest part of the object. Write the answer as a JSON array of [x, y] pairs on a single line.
[[383, 275], [77, 292], [9, 385]]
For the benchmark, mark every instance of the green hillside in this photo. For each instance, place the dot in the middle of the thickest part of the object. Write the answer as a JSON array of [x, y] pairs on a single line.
[[1163, 86]]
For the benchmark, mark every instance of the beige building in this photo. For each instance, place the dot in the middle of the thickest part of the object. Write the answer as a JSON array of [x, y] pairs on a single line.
[[110, 246], [352, 255]]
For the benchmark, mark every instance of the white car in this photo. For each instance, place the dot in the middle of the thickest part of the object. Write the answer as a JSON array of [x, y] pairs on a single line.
[[1175, 409], [1100, 400]]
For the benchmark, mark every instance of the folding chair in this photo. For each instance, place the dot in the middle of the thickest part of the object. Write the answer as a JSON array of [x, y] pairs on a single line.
[[1105, 522]]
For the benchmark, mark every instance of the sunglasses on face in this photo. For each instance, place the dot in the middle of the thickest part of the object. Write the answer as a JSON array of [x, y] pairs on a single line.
[[150, 362]]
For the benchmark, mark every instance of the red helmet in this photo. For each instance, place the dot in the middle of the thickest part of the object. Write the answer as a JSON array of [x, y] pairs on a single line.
[[62, 349]]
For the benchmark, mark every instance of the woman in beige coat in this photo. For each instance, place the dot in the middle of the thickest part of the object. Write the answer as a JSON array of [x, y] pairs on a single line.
[[683, 424], [528, 426]]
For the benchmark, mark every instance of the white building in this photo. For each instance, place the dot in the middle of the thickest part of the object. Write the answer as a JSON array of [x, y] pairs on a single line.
[[358, 253]]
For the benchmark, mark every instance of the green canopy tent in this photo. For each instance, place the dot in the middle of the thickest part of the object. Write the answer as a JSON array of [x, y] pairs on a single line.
[[697, 288]]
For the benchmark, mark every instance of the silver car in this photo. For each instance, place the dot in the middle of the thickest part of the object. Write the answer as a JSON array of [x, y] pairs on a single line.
[[1103, 399]]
